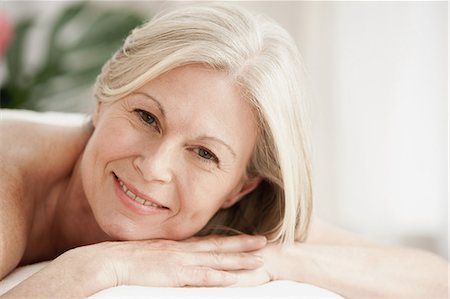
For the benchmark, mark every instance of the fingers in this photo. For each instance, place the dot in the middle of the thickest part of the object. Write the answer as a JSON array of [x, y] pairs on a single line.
[[240, 243], [225, 261], [206, 277], [250, 278], [210, 261]]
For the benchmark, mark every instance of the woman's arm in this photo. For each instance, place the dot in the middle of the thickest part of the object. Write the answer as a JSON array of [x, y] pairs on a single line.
[[346, 264], [74, 274], [85, 270], [356, 272]]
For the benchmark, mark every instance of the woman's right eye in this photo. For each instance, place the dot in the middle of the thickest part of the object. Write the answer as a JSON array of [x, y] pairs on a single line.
[[148, 118]]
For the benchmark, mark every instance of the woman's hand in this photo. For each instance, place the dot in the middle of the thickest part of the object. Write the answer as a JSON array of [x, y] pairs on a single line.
[[203, 261], [271, 255]]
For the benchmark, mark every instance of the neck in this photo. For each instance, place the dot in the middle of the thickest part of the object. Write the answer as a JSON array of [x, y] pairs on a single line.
[[74, 223]]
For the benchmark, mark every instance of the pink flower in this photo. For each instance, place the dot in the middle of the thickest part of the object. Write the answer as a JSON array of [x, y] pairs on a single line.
[[6, 33]]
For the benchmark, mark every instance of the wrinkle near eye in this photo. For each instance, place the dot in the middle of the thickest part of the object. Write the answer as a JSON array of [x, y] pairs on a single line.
[[225, 167]]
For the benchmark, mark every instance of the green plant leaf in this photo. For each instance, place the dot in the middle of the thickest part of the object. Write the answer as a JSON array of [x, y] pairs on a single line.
[[67, 67], [109, 26], [14, 55], [67, 15]]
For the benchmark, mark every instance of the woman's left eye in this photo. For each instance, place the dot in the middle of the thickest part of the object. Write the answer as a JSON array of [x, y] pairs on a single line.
[[206, 155], [147, 117]]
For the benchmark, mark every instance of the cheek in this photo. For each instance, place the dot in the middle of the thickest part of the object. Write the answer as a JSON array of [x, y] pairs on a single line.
[[107, 144], [203, 196], [113, 141]]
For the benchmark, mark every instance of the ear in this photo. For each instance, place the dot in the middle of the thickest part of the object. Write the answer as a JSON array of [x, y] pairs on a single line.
[[248, 186]]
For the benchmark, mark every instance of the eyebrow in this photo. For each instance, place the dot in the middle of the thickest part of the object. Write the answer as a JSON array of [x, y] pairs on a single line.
[[160, 107]]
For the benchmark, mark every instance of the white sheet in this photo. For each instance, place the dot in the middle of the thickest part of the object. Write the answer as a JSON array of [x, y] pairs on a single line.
[[274, 289], [51, 118]]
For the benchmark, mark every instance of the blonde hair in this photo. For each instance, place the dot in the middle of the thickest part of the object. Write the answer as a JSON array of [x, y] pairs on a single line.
[[264, 61]]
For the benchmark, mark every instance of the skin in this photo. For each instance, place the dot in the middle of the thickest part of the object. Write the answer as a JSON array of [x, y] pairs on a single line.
[[59, 202], [183, 140]]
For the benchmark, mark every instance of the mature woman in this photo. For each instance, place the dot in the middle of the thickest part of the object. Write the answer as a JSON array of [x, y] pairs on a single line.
[[193, 171]]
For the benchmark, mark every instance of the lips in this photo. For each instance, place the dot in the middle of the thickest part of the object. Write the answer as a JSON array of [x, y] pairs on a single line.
[[137, 196]]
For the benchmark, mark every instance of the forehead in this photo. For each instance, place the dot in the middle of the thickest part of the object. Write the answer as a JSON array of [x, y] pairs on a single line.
[[200, 100], [198, 84]]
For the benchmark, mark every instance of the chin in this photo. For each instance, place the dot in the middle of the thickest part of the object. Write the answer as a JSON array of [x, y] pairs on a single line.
[[130, 236], [177, 235], [125, 232], [134, 235]]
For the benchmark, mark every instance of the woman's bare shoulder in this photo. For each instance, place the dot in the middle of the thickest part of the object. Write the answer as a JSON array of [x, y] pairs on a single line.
[[15, 212], [45, 143], [32, 154], [37, 139]]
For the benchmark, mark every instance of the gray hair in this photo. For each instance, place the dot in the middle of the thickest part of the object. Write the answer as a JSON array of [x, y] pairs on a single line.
[[263, 60]]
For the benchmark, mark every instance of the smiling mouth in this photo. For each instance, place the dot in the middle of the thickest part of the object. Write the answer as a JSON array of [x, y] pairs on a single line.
[[136, 198]]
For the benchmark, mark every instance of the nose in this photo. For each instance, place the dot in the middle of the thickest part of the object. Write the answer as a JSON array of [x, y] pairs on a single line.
[[156, 165]]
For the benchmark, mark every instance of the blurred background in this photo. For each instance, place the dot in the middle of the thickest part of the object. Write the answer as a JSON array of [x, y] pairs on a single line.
[[377, 83]]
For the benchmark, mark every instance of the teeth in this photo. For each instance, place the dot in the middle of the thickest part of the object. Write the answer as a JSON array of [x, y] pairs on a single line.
[[137, 198], [148, 203], [130, 194]]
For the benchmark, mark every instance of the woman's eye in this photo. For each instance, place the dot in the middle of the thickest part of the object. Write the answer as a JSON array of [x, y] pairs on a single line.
[[148, 118], [205, 154]]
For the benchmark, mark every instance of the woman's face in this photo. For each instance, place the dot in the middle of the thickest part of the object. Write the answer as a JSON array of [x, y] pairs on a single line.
[[164, 159]]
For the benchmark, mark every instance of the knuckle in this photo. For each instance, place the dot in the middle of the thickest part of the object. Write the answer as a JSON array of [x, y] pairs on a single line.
[[217, 258], [217, 242], [182, 277], [209, 276], [202, 276]]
